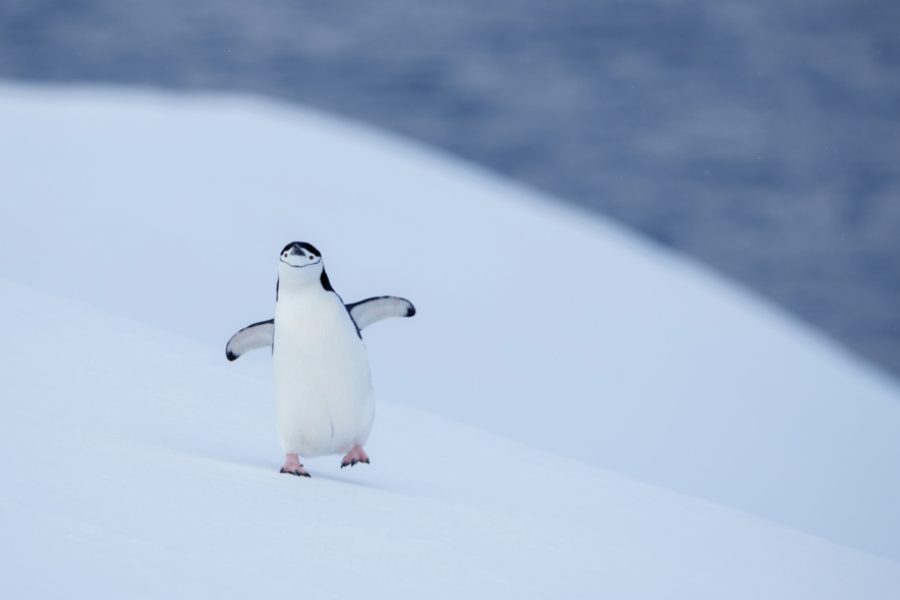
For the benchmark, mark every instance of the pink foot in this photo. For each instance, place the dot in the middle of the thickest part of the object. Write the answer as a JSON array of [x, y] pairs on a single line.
[[292, 466], [356, 455]]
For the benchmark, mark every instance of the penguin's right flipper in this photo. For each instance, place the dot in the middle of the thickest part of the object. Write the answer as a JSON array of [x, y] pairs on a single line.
[[251, 337]]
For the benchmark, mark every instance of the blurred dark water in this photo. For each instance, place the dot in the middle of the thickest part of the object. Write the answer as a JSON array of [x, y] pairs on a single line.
[[762, 138]]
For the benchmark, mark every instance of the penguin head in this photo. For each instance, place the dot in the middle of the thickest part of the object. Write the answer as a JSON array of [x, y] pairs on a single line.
[[300, 263]]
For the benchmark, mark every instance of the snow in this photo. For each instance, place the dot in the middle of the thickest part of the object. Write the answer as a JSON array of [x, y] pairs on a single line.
[[137, 464], [554, 361]]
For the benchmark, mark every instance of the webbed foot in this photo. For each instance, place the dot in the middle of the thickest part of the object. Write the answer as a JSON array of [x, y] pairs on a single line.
[[355, 456], [292, 466]]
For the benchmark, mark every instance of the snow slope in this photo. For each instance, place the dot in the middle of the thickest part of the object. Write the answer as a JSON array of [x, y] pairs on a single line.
[[137, 464], [562, 333]]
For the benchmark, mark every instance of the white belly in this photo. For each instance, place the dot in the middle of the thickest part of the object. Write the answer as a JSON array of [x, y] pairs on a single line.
[[322, 384]]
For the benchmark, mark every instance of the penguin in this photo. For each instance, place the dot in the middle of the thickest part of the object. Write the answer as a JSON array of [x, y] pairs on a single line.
[[323, 387]]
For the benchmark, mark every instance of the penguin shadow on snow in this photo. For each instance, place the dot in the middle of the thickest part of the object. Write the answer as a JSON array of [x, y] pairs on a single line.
[[261, 466], [347, 479]]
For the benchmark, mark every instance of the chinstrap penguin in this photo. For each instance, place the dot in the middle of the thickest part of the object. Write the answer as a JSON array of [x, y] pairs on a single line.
[[324, 398]]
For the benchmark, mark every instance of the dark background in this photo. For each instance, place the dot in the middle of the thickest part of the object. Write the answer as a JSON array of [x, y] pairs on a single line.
[[761, 138]]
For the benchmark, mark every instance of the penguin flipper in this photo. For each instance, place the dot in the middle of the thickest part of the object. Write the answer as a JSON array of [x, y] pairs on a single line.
[[371, 310], [251, 337]]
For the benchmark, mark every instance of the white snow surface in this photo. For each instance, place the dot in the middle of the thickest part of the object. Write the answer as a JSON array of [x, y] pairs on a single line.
[[139, 230], [136, 464]]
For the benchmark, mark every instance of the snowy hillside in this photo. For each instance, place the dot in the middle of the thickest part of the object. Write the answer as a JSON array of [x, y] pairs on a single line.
[[137, 464], [562, 334]]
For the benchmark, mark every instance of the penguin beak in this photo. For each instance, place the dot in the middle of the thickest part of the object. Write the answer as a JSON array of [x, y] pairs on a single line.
[[298, 255], [299, 259]]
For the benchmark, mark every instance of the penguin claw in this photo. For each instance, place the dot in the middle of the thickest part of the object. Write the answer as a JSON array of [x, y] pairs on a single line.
[[355, 456], [296, 472]]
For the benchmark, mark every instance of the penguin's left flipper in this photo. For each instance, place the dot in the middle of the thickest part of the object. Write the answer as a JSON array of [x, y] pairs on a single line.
[[251, 337], [371, 310]]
